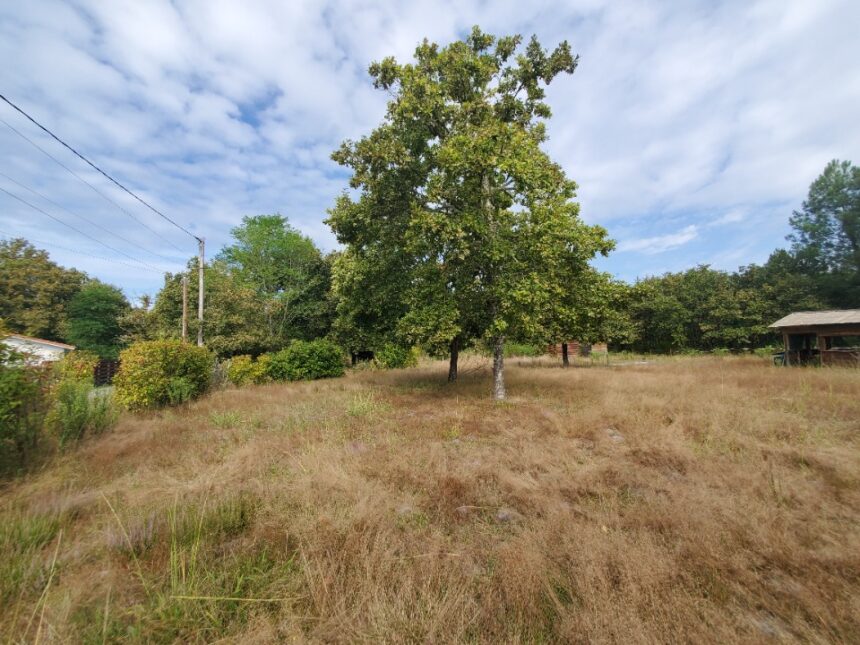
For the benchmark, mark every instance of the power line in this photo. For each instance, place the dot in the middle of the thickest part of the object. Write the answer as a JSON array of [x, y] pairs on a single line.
[[83, 158], [86, 219], [97, 191], [77, 230], [9, 236]]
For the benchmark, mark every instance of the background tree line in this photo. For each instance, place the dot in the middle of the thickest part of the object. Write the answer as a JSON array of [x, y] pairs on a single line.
[[460, 231], [706, 309], [272, 285]]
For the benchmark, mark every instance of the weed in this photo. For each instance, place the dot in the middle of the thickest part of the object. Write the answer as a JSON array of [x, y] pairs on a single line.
[[226, 420], [365, 404]]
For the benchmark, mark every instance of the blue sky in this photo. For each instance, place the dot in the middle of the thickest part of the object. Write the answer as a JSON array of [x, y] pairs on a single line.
[[692, 128]]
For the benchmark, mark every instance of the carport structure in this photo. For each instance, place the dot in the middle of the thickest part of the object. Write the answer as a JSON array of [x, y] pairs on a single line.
[[821, 337]]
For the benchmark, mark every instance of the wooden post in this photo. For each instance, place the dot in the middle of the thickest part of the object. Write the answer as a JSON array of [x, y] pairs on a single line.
[[200, 294], [184, 308], [786, 344]]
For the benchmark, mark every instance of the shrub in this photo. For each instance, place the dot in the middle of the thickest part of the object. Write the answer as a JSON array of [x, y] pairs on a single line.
[[161, 372], [306, 360], [522, 349], [23, 403], [79, 410], [244, 370], [78, 365], [391, 356]]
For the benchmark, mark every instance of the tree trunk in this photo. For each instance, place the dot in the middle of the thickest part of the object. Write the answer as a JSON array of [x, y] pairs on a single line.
[[452, 365], [565, 359], [499, 368]]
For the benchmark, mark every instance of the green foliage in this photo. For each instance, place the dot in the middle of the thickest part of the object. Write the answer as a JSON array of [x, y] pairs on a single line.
[[705, 309], [23, 405], [162, 372], [269, 286], [94, 315], [80, 410], [22, 538], [288, 272], [244, 370], [391, 356], [307, 360], [522, 349], [235, 321], [464, 228], [78, 365], [35, 292], [826, 237], [138, 322]]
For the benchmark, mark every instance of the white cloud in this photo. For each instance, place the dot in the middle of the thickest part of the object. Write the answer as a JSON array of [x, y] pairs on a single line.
[[684, 116], [660, 243]]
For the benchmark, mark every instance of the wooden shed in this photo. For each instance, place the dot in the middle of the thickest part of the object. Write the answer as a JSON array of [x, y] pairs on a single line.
[[576, 348], [821, 337]]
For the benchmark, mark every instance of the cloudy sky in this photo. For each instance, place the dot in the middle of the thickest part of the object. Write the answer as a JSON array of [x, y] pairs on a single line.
[[692, 128]]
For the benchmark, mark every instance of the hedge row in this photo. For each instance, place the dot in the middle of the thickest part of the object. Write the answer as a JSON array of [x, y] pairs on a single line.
[[300, 361]]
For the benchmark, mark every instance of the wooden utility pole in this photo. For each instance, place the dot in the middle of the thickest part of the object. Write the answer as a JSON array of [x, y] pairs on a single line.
[[184, 308], [200, 293]]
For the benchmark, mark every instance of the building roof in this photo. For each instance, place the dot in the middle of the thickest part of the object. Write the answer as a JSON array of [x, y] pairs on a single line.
[[814, 318], [40, 341]]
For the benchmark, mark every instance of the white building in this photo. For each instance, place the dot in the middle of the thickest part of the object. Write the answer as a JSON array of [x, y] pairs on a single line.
[[37, 350]]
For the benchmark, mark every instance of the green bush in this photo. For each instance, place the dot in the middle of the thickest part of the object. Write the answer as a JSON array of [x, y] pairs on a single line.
[[306, 360], [162, 372], [79, 365], [244, 370], [23, 405], [522, 349], [80, 410], [391, 356]]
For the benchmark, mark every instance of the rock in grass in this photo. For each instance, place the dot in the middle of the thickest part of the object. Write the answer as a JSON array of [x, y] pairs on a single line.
[[405, 509], [506, 514], [614, 435]]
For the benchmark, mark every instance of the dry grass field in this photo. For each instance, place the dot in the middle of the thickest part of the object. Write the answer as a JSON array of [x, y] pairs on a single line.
[[697, 500]]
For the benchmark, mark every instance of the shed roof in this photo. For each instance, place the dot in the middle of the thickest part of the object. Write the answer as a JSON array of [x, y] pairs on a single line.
[[813, 318], [40, 341]]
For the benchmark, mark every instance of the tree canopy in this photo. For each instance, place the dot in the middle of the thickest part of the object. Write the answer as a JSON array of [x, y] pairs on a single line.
[[34, 291], [826, 237], [94, 315], [459, 206]]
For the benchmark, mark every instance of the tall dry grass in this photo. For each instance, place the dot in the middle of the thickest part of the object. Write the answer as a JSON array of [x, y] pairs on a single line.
[[696, 500]]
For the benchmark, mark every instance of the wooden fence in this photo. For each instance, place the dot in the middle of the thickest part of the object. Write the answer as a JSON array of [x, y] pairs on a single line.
[[104, 372]]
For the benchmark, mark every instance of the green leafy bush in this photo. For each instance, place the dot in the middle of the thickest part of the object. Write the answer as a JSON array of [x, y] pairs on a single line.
[[244, 370], [391, 356], [162, 372], [80, 410], [78, 365], [23, 405], [522, 349], [306, 360]]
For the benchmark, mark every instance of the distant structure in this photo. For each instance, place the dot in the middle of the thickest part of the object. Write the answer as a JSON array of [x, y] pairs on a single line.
[[821, 337], [37, 350], [575, 348]]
